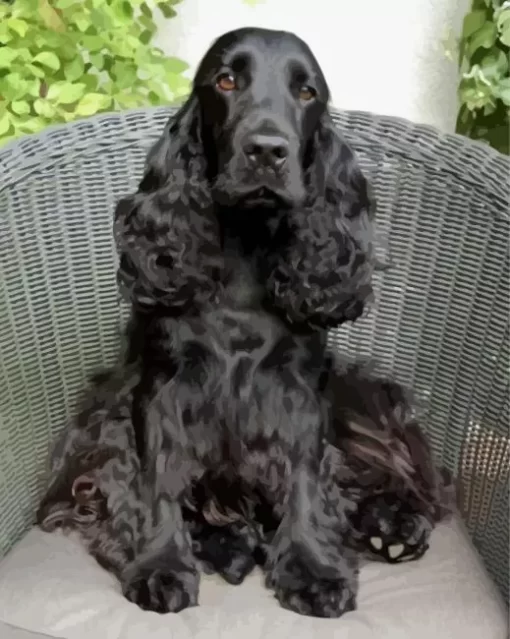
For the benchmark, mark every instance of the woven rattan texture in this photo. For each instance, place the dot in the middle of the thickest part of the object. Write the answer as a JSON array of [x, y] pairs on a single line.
[[439, 324]]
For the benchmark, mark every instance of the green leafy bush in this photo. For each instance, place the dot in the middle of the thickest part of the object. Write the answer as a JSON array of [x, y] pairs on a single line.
[[61, 60], [484, 89]]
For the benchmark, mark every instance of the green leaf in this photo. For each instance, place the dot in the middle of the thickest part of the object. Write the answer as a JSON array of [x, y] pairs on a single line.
[[7, 55], [484, 37], [97, 60], [154, 98], [505, 36], [101, 20], [71, 93], [24, 55], [18, 26], [503, 24], [148, 24], [503, 18], [5, 123], [475, 95], [123, 49], [48, 59], [68, 116], [125, 74], [33, 88], [129, 100], [122, 13], [65, 4], [21, 107], [163, 89], [494, 64], [44, 108], [65, 92], [93, 103], [109, 62], [13, 87], [91, 82], [82, 21], [32, 125], [504, 91], [52, 40], [74, 69], [472, 22], [127, 9], [5, 35], [182, 90], [146, 36], [146, 10], [93, 42], [174, 65], [50, 17], [5, 10], [167, 10]]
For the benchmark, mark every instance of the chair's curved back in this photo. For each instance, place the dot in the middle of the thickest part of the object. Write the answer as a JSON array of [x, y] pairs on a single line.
[[440, 324]]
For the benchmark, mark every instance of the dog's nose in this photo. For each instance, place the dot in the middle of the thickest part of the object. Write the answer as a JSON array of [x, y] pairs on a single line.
[[266, 150]]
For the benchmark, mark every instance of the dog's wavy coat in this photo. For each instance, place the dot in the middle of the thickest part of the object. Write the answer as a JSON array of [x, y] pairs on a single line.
[[250, 235], [379, 460]]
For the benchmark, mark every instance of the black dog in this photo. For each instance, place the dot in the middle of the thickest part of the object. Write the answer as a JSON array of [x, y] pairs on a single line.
[[249, 237]]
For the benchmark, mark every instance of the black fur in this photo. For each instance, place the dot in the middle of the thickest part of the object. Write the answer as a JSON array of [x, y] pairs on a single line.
[[235, 268], [250, 236]]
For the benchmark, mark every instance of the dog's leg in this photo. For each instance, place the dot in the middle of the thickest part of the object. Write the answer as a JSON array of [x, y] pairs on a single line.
[[164, 578], [309, 566], [311, 569], [162, 575]]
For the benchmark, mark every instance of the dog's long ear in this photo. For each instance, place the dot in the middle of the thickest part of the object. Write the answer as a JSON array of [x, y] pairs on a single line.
[[166, 233], [324, 276]]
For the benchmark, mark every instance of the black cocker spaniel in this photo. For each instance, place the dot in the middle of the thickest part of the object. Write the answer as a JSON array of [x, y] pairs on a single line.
[[249, 237]]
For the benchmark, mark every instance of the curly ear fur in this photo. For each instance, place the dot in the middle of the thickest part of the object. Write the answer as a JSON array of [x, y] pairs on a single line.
[[322, 277], [166, 233]]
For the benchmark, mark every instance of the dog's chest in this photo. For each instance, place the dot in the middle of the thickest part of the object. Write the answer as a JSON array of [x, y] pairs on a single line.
[[234, 325]]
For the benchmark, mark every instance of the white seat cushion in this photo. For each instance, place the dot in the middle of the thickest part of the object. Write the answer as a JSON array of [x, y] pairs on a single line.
[[49, 584]]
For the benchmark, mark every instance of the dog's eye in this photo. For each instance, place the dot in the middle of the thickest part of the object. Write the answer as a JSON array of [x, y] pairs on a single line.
[[307, 93], [226, 82]]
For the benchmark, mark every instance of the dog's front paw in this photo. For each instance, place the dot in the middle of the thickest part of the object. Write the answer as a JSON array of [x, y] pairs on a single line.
[[387, 528], [163, 591], [298, 590], [318, 599]]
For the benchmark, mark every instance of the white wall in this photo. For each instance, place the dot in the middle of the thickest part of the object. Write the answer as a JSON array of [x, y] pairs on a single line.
[[385, 56]]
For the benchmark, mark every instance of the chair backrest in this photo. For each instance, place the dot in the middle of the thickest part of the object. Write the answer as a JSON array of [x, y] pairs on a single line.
[[440, 324]]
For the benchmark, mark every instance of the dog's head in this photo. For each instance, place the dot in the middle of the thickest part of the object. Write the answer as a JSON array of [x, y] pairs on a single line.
[[262, 96], [254, 138]]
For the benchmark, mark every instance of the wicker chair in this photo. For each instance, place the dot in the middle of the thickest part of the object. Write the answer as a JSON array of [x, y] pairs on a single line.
[[440, 324]]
